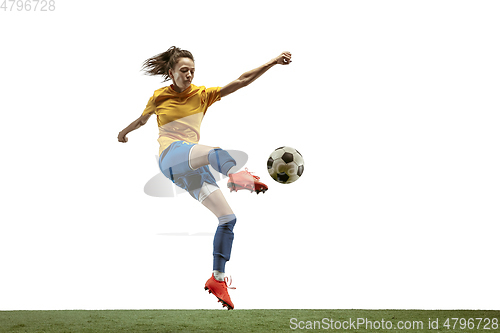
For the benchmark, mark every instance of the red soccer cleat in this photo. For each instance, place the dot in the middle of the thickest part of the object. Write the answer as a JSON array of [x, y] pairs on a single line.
[[244, 180], [219, 289]]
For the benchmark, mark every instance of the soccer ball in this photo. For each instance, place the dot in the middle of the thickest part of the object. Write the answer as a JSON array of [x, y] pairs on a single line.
[[285, 165]]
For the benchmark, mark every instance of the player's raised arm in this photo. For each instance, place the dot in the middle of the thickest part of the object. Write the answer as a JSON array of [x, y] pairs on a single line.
[[245, 79], [142, 120]]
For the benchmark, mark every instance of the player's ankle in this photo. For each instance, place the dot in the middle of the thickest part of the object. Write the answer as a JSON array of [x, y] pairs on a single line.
[[233, 169], [219, 276]]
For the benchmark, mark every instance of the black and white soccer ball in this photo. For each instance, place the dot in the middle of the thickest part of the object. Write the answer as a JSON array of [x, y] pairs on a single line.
[[285, 165]]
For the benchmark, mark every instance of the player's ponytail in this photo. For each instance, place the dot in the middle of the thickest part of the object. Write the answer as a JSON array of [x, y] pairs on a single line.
[[161, 63]]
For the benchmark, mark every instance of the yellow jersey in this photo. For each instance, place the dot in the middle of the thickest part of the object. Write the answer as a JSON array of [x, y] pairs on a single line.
[[179, 115]]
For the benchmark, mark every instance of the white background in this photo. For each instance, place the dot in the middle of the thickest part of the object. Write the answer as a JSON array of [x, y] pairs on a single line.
[[393, 104]]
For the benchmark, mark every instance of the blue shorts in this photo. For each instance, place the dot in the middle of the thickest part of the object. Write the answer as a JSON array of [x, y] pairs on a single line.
[[174, 164]]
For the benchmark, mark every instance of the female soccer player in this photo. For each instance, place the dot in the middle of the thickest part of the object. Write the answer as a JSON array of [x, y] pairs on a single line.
[[179, 110]]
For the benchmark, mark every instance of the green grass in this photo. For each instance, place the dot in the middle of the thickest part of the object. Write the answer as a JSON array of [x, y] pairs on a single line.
[[233, 321]]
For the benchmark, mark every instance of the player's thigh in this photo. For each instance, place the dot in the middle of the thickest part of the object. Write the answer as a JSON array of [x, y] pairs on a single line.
[[217, 204], [198, 156]]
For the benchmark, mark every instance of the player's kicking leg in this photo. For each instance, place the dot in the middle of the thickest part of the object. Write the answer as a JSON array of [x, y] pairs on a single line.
[[222, 162]]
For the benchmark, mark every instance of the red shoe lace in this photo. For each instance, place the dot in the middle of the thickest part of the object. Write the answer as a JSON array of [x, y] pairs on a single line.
[[251, 174], [230, 281]]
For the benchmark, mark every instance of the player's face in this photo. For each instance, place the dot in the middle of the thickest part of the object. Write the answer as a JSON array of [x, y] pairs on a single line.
[[182, 74]]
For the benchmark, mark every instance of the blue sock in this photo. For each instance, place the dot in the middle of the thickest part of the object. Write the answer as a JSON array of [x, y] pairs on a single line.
[[223, 242], [220, 160]]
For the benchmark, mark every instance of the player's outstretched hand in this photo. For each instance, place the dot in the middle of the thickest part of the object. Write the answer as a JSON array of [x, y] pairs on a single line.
[[122, 137], [284, 58]]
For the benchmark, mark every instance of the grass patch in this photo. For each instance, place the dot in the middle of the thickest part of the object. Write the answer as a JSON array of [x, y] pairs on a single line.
[[138, 321]]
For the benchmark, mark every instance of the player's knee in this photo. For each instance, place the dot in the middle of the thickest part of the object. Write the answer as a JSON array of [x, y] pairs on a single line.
[[220, 160], [227, 221]]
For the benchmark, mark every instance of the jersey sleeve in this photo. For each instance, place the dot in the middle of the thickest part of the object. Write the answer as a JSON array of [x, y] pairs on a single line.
[[213, 95], [150, 107]]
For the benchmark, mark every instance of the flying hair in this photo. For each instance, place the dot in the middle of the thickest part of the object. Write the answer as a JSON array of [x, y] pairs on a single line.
[[161, 63]]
